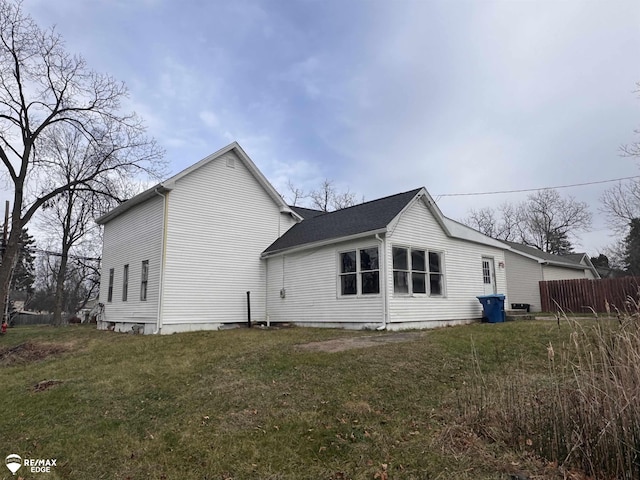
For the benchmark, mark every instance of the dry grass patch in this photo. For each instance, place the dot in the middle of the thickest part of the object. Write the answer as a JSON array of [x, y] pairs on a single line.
[[31, 352]]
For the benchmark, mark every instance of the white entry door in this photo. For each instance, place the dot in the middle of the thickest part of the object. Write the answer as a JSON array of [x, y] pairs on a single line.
[[488, 276]]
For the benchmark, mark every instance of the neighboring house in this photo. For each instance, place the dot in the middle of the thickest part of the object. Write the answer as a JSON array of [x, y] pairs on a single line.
[[527, 266], [182, 255]]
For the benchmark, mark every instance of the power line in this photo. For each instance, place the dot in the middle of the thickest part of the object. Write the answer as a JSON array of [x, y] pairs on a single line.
[[535, 189], [58, 254]]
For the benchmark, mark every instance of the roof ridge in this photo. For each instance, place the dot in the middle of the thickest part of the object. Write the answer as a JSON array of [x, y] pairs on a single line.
[[416, 190]]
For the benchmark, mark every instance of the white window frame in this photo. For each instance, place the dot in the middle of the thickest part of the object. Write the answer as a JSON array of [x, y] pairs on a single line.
[[409, 272], [358, 272]]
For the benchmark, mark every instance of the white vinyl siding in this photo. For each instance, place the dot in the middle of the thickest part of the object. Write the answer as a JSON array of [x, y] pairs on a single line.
[[304, 288], [523, 277], [461, 269], [134, 236], [220, 219]]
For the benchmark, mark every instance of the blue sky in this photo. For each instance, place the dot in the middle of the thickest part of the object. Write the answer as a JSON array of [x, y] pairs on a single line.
[[380, 96]]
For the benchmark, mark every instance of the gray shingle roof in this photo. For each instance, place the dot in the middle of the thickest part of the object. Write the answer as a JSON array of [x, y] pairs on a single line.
[[306, 212], [366, 217], [572, 259]]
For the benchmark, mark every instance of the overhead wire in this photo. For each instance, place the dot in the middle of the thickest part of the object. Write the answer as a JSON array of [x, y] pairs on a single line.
[[522, 190]]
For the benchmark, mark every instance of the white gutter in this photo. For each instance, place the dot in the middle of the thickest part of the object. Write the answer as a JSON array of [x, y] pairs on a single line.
[[383, 268], [162, 258]]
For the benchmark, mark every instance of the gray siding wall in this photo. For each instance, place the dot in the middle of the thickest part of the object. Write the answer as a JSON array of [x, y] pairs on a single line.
[[130, 238], [523, 275], [311, 296], [463, 273], [220, 221], [552, 272]]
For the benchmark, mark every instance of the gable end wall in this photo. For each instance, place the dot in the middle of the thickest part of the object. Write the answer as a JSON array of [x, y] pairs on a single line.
[[220, 221], [418, 228]]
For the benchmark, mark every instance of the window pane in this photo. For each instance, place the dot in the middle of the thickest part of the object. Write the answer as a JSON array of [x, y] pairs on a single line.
[[434, 262], [348, 262], [400, 282], [125, 283], [419, 282], [369, 259], [435, 284], [486, 272], [110, 293], [418, 261], [348, 284], [400, 258], [370, 282]]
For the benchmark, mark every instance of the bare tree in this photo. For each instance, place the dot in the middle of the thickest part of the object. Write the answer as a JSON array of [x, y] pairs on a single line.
[[621, 203], [43, 87], [69, 219], [501, 223], [327, 198], [295, 194], [549, 220], [545, 220]]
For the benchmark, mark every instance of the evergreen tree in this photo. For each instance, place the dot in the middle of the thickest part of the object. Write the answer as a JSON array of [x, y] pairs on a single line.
[[24, 272], [559, 243], [632, 248], [600, 261]]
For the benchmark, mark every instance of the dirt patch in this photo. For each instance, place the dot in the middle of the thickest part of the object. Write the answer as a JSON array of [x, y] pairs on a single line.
[[45, 385], [349, 343], [29, 352]]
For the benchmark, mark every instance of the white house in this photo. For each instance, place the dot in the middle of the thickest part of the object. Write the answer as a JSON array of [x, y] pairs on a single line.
[[182, 256], [527, 266], [392, 263]]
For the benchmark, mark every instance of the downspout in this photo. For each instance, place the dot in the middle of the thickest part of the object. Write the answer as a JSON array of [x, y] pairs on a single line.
[[383, 268], [162, 258]]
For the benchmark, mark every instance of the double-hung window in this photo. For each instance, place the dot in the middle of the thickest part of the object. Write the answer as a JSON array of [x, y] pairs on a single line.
[[417, 271], [125, 283], [144, 280], [110, 291], [359, 272]]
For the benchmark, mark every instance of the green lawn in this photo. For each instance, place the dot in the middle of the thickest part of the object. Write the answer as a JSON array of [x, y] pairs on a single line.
[[249, 404]]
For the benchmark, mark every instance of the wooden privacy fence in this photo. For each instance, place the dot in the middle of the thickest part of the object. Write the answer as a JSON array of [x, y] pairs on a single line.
[[579, 294]]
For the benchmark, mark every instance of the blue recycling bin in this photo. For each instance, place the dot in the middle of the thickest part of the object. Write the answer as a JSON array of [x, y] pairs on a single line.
[[493, 307]]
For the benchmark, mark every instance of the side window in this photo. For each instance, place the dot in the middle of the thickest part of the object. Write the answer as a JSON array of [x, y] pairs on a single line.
[[144, 280], [348, 275], [110, 294], [125, 283], [359, 272], [369, 271], [417, 271], [436, 276], [400, 269]]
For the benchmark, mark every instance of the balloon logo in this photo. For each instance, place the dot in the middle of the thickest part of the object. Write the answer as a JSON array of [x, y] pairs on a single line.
[[13, 462]]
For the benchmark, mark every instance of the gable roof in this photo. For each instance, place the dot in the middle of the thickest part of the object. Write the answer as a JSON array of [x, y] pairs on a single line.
[[369, 218], [366, 218], [170, 184], [570, 260], [306, 212]]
